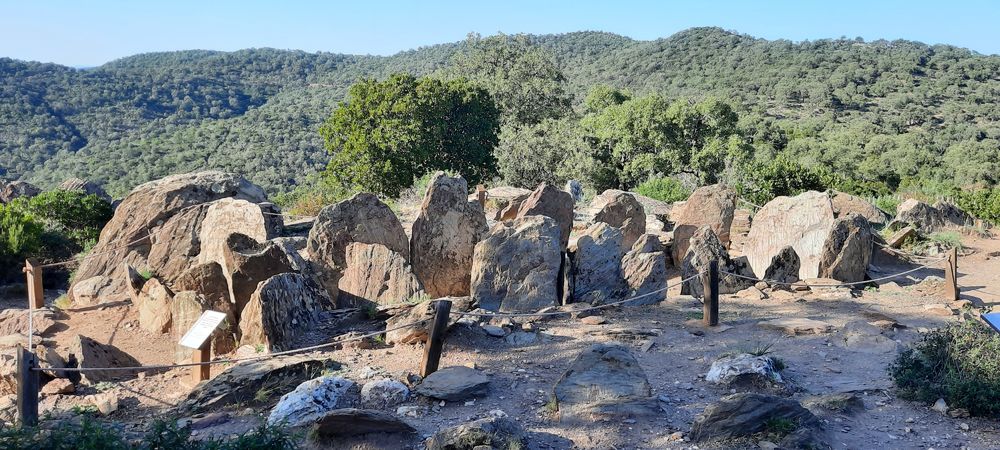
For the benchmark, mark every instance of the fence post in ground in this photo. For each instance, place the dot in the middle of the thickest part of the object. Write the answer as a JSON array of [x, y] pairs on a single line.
[[202, 355], [27, 387], [710, 284], [951, 291], [481, 195], [33, 273], [435, 342]]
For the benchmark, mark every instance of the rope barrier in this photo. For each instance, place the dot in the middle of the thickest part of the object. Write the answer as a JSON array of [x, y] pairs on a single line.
[[560, 313], [742, 200], [233, 360], [856, 283]]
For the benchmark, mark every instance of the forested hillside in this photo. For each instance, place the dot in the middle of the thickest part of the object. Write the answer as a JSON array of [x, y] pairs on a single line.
[[887, 111]]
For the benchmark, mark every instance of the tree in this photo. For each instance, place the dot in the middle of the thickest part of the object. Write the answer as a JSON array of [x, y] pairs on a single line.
[[388, 132], [531, 154]]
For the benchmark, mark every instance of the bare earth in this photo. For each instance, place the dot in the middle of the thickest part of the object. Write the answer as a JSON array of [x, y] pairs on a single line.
[[682, 351]]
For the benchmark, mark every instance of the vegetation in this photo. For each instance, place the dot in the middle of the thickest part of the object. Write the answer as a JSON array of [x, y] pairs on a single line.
[[959, 363], [163, 435], [663, 189]]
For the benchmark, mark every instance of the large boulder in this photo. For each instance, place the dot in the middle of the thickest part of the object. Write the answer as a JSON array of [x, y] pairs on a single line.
[[644, 268], [250, 262], [175, 245], [362, 218], [515, 268], [605, 381], [497, 431], [227, 216], [705, 247], [802, 222], [93, 354], [86, 187], [597, 274], [952, 215], [920, 215], [209, 282], [185, 309], [749, 413], [548, 200], [312, 399], [708, 205], [445, 235], [282, 308], [784, 267], [15, 321], [154, 306], [621, 210], [847, 250], [147, 209], [376, 275], [844, 204], [17, 189]]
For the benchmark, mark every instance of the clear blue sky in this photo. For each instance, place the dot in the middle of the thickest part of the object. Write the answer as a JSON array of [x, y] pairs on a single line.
[[88, 33]]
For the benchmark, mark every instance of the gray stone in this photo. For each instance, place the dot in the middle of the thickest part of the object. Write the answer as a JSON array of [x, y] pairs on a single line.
[[743, 369], [249, 263], [802, 222], [454, 383], [86, 187], [605, 381], [575, 189], [549, 201], [645, 271], [749, 413], [495, 432], [312, 399], [17, 189], [784, 268], [925, 218], [705, 247], [280, 310], [376, 276], [516, 266], [597, 275], [621, 210], [384, 393], [93, 354], [354, 422], [848, 250]]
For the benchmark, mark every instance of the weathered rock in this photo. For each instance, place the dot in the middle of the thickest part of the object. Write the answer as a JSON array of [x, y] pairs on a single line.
[[362, 218], [952, 215], [605, 381], [509, 211], [597, 273], [744, 369], [621, 210], [847, 250], [796, 325], [18, 189], [899, 237], [280, 309], [185, 309], [454, 383], [353, 422], [224, 217], [423, 314], [384, 393], [549, 201], [209, 282], [497, 431], [8, 375], [925, 218], [15, 321], [175, 245], [748, 413], [87, 187], [251, 262], [516, 266], [844, 204], [376, 275], [93, 354], [841, 403], [133, 282], [751, 293], [802, 222], [575, 190], [312, 399], [59, 386], [784, 268], [645, 273], [708, 205], [154, 306], [704, 248], [863, 337], [242, 382], [49, 358], [445, 235], [90, 291], [147, 209]]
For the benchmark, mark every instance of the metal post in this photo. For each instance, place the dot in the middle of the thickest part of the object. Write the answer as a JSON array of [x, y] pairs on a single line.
[[435, 342], [481, 194], [951, 291], [27, 387], [204, 371], [710, 284]]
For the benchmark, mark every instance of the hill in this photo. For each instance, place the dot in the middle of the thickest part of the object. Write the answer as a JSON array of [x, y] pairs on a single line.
[[890, 109]]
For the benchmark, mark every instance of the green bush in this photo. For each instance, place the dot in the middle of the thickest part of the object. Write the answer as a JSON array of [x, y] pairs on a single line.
[[960, 363], [983, 204], [664, 189], [760, 182]]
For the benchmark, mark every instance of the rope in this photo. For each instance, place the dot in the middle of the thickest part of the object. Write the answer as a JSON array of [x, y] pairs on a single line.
[[742, 200], [560, 313], [232, 360], [782, 283]]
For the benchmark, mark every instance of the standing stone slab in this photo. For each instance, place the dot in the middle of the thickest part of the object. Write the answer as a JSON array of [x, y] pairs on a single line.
[[844, 204], [645, 272], [93, 354], [847, 250], [154, 306], [548, 200], [708, 205], [802, 222], [597, 275], [515, 268], [704, 248], [209, 282], [920, 215], [279, 311], [445, 236], [376, 275], [784, 268], [227, 216], [361, 218], [621, 210], [250, 262]]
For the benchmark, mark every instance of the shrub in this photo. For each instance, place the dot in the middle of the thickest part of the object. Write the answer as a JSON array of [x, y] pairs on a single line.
[[312, 196], [664, 189], [960, 363], [75, 215], [984, 204]]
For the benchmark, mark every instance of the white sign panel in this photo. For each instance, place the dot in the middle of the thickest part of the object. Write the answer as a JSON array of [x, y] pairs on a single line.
[[202, 329]]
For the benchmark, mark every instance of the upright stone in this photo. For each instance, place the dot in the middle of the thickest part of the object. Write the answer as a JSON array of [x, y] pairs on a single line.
[[515, 268], [844, 204], [784, 267], [229, 215], [621, 210], [597, 275], [708, 205], [922, 216], [847, 250], [91, 354], [445, 235], [705, 247], [154, 306], [645, 270], [604, 382], [362, 218], [376, 275], [802, 222], [279, 311], [549, 201], [250, 263]]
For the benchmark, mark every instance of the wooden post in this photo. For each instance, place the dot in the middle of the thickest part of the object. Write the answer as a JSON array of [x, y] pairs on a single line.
[[435, 342], [481, 194], [27, 387], [951, 291], [710, 284], [33, 273], [201, 372]]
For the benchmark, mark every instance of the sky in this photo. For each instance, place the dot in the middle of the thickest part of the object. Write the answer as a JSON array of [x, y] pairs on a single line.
[[89, 33]]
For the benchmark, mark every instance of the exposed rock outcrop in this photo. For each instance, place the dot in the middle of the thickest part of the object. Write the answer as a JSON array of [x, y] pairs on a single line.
[[227, 216], [605, 381], [920, 215], [312, 399], [748, 413], [17, 189], [455, 383], [515, 268], [154, 306], [497, 431]]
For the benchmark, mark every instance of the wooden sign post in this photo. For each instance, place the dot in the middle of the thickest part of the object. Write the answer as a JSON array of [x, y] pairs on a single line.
[[710, 285], [481, 195], [435, 342], [27, 387], [33, 273], [951, 292], [197, 339]]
